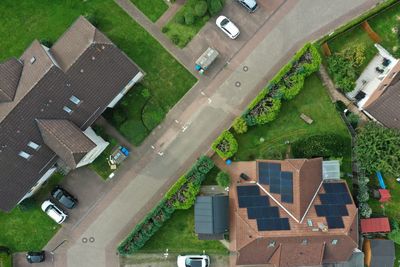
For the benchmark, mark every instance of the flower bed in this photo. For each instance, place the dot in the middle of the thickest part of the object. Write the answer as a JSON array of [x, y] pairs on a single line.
[[225, 145], [285, 85], [181, 196]]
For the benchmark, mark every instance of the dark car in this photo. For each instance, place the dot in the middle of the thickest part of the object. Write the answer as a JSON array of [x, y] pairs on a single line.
[[65, 198], [35, 257], [250, 5]]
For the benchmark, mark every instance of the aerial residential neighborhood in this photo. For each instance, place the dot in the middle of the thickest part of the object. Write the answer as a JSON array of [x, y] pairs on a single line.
[[199, 133]]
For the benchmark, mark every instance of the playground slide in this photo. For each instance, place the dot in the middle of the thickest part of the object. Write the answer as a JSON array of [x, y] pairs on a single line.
[[380, 178]]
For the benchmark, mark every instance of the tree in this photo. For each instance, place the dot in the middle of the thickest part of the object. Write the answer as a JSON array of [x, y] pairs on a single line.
[[189, 17], [223, 179], [180, 18], [239, 125], [354, 54], [200, 8], [214, 7], [365, 210], [342, 72], [378, 149], [363, 195], [353, 119]]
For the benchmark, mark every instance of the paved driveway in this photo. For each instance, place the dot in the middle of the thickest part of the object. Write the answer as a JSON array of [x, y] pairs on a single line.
[[212, 36]]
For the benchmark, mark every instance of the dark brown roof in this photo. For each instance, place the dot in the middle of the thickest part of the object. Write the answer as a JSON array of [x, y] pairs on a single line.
[[386, 108], [96, 77], [301, 245], [10, 73], [66, 140]]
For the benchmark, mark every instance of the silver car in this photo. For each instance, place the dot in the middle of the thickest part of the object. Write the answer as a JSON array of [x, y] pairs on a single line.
[[193, 261], [228, 27], [250, 5]]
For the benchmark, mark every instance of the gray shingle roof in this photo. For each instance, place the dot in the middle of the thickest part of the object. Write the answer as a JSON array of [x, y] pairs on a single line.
[[383, 253], [96, 77], [10, 73], [211, 214], [386, 108], [66, 140]]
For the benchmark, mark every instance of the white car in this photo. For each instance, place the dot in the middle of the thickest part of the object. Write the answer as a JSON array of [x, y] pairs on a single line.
[[250, 5], [227, 27], [54, 212], [193, 261]]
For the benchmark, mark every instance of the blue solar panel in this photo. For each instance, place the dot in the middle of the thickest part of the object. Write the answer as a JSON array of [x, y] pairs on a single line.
[[274, 167], [275, 188], [335, 222], [287, 198], [331, 210], [248, 190], [286, 176], [273, 224], [334, 187], [263, 173], [335, 198], [253, 201], [262, 212]]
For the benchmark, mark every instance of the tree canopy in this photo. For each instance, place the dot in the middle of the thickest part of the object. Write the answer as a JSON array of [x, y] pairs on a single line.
[[378, 149]]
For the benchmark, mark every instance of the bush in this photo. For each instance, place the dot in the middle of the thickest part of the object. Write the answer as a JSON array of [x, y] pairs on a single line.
[[164, 29], [394, 235], [200, 8], [296, 84], [46, 42], [324, 145], [343, 72], [180, 18], [27, 204], [225, 145], [239, 125], [365, 210], [214, 7], [189, 17], [340, 106], [175, 39], [363, 195], [223, 179], [92, 17], [354, 54], [353, 119]]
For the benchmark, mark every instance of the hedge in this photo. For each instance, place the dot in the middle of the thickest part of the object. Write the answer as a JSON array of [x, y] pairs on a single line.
[[323, 145], [180, 196], [225, 145], [285, 85]]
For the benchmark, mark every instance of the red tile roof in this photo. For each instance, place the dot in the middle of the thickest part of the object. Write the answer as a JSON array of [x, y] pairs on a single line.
[[385, 195], [375, 225]]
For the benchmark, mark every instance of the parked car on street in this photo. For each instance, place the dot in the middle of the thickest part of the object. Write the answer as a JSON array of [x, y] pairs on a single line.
[[54, 212], [193, 261], [65, 198], [250, 5], [228, 27], [35, 257]]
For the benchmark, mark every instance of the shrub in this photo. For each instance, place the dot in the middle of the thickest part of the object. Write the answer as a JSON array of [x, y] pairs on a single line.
[[340, 106], [92, 17], [223, 179], [204, 164], [239, 125], [365, 210], [225, 145], [180, 18], [189, 17], [353, 119], [355, 54], [296, 84], [164, 29], [324, 145], [343, 72], [214, 6], [394, 235], [175, 39], [27, 204], [363, 195], [46, 42], [200, 8]]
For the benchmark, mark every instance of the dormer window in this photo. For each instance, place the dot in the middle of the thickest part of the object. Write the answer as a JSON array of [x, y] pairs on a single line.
[[33, 145], [24, 155], [75, 100], [67, 109]]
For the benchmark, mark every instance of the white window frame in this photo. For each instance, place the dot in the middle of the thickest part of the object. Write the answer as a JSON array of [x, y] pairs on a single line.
[[75, 100], [24, 155], [33, 145]]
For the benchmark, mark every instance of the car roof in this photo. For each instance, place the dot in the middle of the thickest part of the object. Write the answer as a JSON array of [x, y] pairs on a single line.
[[53, 213]]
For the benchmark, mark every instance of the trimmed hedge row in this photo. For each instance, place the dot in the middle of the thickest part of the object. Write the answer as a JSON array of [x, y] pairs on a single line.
[[180, 196], [286, 84], [225, 145]]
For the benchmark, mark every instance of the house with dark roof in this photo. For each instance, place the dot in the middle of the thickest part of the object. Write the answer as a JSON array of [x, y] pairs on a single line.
[[292, 213], [49, 98], [376, 92], [379, 253]]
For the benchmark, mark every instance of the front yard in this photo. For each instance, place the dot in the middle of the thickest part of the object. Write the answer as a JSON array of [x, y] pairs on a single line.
[[268, 141], [153, 9], [27, 227], [166, 79]]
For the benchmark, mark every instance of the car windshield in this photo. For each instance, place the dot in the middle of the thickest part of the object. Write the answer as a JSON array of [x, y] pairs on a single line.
[[224, 22], [190, 262]]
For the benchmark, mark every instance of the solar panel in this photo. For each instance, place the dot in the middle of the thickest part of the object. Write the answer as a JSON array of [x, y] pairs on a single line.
[[253, 201], [335, 222], [262, 212], [286, 176], [277, 224], [274, 167], [331, 210], [248, 190], [334, 187], [334, 198], [275, 188], [287, 198], [263, 173]]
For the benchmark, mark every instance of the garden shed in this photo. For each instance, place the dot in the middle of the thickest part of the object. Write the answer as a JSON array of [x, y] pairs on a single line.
[[211, 215], [379, 253], [375, 225]]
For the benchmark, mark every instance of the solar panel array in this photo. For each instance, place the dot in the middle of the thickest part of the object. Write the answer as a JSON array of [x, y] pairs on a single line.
[[258, 208], [279, 182], [333, 204]]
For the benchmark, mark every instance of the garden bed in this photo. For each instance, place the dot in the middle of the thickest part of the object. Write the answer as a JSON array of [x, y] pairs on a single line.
[[153, 9]]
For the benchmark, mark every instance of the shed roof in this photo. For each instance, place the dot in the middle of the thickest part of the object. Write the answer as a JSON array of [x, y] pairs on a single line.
[[385, 195], [375, 225], [211, 214], [331, 169], [383, 254]]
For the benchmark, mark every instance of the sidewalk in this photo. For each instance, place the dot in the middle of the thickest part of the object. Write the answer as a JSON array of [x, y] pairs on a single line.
[[172, 10]]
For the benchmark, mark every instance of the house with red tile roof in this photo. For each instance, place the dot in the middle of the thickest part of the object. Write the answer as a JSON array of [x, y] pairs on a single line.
[[290, 213]]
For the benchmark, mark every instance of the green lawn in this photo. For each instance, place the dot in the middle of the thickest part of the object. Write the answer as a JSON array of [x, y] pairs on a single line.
[[153, 9], [387, 25], [166, 79], [5, 260], [178, 235], [351, 38], [180, 33], [30, 228]]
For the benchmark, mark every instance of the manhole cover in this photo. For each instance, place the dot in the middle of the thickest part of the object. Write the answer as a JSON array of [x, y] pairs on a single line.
[[245, 68], [84, 240], [238, 84], [91, 239]]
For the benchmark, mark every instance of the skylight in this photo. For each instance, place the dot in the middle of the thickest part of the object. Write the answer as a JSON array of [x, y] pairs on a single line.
[[75, 100], [24, 155], [33, 145], [67, 109]]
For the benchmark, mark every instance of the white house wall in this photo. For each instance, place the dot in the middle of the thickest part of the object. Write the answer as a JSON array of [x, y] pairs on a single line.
[[131, 83], [95, 152]]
